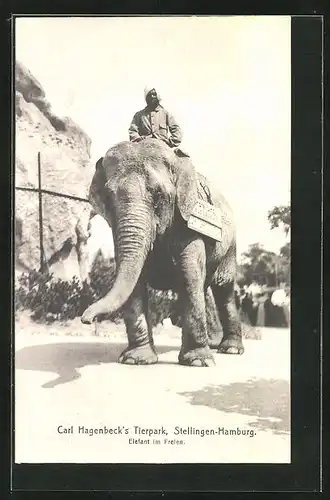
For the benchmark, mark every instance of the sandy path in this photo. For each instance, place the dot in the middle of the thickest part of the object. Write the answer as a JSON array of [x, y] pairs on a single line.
[[74, 382]]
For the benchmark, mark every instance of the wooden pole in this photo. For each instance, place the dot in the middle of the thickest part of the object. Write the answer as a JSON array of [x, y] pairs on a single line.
[[41, 234]]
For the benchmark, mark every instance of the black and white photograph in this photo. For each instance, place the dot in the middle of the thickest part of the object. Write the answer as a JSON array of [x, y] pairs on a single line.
[[152, 218]]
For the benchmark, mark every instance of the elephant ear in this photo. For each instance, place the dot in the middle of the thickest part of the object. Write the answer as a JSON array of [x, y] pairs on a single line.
[[98, 191], [186, 188]]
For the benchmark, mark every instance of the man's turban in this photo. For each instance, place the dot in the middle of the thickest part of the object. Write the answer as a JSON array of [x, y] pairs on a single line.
[[148, 89]]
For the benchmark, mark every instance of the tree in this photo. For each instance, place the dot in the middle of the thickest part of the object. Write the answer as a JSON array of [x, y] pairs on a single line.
[[259, 265], [280, 216], [285, 258], [264, 267], [285, 251]]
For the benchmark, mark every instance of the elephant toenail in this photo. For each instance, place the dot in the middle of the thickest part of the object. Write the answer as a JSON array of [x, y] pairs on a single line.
[[197, 362], [130, 361]]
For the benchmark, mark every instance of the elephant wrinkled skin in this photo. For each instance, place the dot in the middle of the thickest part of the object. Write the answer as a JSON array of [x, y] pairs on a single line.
[[146, 193]]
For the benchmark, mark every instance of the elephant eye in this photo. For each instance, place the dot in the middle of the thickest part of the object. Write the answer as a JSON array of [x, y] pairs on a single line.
[[157, 197]]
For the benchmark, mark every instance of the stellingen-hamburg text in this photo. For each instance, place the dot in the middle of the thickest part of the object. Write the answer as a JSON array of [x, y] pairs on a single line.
[[137, 430], [216, 431]]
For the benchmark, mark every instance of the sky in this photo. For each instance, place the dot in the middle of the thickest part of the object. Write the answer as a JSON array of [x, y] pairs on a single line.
[[226, 80]]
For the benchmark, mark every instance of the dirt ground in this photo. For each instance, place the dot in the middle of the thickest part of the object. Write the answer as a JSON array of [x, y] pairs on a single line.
[[75, 403]]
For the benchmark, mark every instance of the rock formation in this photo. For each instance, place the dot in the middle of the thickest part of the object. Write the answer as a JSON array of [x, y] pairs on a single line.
[[65, 168]]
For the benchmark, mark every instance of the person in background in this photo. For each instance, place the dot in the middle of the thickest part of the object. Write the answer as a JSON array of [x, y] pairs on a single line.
[[237, 300], [278, 297], [261, 315], [286, 310], [268, 306], [279, 301], [155, 121], [247, 309], [254, 310]]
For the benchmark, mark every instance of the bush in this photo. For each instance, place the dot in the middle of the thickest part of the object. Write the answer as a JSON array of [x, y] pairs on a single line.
[[51, 299], [161, 305]]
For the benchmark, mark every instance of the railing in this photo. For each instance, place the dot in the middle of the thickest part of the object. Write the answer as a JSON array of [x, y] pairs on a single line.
[[40, 192]]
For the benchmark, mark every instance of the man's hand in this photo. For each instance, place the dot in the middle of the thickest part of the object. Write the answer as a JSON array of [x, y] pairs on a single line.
[[155, 136], [142, 137]]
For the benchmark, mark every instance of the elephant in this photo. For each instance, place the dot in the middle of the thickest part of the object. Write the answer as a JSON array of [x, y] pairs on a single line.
[[146, 193]]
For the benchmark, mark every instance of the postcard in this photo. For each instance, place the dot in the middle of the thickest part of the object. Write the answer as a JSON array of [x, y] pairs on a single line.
[[152, 239]]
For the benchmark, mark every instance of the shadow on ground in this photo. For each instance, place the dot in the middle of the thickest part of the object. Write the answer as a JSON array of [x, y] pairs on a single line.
[[65, 358], [267, 400]]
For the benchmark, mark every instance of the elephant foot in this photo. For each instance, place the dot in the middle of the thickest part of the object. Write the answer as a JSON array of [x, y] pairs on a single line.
[[231, 345], [201, 357], [214, 340], [144, 355]]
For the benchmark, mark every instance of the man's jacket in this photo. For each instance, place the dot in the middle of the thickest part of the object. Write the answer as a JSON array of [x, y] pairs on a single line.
[[158, 123]]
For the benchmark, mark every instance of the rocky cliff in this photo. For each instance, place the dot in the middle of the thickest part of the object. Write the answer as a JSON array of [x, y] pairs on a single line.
[[65, 168]]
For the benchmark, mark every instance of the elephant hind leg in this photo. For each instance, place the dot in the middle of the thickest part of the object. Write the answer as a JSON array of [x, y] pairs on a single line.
[[224, 297], [214, 327], [140, 349]]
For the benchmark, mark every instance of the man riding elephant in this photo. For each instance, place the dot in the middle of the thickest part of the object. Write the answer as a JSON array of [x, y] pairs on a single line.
[[155, 121]]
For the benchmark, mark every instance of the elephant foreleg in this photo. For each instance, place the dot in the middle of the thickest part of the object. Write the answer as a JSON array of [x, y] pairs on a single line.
[[224, 297], [140, 350], [194, 350]]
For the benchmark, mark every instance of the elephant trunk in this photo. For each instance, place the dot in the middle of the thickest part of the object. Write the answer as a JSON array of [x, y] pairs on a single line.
[[133, 239]]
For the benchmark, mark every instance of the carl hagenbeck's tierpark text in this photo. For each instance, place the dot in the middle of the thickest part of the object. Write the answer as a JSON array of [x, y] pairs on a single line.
[[141, 435]]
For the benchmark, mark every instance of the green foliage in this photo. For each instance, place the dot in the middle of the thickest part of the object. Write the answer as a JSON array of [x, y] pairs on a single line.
[[280, 216], [161, 305], [49, 299], [264, 267], [285, 251], [52, 299], [285, 259]]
